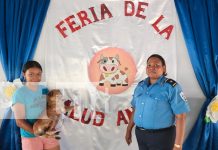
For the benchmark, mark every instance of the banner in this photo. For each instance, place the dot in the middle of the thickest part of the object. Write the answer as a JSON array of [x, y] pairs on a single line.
[[96, 53]]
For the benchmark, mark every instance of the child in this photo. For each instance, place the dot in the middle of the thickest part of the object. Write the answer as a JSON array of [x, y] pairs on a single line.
[[28, 104]]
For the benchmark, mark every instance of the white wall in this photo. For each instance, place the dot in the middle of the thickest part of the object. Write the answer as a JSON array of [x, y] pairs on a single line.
[[2, 75], [188, 81]]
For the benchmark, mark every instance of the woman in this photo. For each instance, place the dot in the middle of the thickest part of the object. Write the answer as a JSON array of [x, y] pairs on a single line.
[[159, 110], [28, 104]]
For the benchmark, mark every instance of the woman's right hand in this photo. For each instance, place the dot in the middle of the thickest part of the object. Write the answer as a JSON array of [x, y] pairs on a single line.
[[131, 124], [128, 136]]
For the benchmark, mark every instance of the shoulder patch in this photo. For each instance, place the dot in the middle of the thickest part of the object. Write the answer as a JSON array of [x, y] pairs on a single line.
[[171, 82], [183, 96]]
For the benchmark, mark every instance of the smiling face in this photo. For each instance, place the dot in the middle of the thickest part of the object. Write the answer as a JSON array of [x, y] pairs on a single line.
[[155, 68], [33, 75]]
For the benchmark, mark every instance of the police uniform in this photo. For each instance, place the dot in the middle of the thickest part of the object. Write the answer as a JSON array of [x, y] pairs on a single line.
[[155, 108]]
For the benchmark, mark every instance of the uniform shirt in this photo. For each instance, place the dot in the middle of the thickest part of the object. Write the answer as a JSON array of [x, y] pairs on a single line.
[[34, 103], [156, 104]]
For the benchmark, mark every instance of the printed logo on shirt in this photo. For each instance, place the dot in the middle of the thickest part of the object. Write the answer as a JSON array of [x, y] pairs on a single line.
[[39, 102]]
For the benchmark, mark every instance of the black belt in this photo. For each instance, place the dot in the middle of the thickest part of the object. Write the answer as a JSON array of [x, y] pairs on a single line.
[[154, 130]]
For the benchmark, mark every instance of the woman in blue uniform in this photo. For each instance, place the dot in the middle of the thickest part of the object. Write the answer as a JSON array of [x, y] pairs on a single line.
[[159, 110]]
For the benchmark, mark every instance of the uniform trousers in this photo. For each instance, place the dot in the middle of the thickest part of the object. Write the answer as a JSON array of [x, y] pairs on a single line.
[[156, 139]]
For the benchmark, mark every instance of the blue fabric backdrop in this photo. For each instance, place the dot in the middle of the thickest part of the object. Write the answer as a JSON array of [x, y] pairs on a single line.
[[20, 26], [199, 21]]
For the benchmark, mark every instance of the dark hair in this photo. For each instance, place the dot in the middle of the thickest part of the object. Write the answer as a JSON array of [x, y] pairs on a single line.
[[31, 64], [161, 59]]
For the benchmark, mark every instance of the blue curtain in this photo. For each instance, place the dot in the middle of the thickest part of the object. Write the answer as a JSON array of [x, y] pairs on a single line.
[[199, 22], [21, 22]]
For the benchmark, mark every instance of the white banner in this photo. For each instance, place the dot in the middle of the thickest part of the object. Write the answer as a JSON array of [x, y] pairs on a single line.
[[96, 52]]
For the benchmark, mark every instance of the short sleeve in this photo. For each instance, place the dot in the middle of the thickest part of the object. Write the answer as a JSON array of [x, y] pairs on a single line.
[[133, 103], [178, 101], [138, 91], [17, 98], [44, 90]]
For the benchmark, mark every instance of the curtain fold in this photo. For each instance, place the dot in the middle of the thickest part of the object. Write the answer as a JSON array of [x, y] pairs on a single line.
[[199, 22], [21, 22]]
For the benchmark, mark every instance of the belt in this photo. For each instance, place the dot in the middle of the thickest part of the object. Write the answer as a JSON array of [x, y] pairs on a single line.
[[154, 130]]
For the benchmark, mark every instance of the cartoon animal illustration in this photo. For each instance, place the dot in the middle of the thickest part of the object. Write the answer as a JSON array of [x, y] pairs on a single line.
[[110, 72]]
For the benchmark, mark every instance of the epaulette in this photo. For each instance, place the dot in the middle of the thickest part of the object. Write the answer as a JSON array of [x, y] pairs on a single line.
[[141, 82], [171, 82]]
